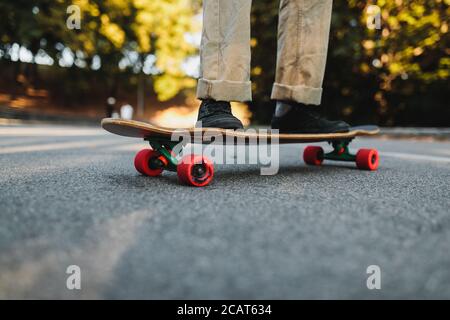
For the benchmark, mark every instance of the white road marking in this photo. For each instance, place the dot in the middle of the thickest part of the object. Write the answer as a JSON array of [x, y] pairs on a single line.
[[56, 146], [16, 141], [50, 131], [130, 147], [416, 157]]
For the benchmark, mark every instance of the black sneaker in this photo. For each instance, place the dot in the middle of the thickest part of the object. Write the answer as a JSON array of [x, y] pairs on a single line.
[[305, 119], [217, 114]]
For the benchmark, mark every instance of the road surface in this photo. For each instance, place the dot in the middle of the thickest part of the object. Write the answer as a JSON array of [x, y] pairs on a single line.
[[70, 196]]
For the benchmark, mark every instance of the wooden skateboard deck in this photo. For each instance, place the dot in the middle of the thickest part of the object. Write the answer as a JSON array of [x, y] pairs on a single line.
[[198, 170], [137, 129]]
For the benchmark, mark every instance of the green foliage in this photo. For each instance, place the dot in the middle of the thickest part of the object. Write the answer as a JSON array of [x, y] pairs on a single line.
[[395, 75], [111, 30]]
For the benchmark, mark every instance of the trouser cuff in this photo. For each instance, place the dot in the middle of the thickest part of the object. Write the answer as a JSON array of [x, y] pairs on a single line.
[[223, 90], [301, 94]]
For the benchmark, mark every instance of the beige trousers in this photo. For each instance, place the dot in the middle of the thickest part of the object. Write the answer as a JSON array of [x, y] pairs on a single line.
[[303, 35]]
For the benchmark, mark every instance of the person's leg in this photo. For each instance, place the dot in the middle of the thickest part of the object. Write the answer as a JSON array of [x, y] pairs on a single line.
[[225, 60], [225, 51], [303, 35]]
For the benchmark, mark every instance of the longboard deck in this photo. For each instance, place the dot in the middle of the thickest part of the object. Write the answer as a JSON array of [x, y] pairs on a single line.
[[137, 129]]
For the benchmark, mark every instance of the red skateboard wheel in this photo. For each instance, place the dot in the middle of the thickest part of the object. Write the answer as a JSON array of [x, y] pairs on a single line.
[[313, 155], [143, 159], [195, 170], [367, 159]]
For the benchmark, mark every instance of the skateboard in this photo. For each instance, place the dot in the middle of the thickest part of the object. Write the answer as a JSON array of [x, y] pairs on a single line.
[[198, 170]]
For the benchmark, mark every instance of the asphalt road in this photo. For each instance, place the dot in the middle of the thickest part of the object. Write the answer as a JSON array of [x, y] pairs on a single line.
[[70, 196]]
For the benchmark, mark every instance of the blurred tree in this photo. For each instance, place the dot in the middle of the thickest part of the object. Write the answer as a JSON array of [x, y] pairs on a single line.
[[120, 35], [397, 74], [161, 28], [18, 24]]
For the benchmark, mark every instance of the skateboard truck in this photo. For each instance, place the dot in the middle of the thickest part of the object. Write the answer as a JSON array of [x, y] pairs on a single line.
[[366, 159], [194, 170], [340, 151], [164, 148]]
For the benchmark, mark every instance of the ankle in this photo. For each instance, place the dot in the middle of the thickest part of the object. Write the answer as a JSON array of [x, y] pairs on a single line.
[[212, 101], [283, 107]]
